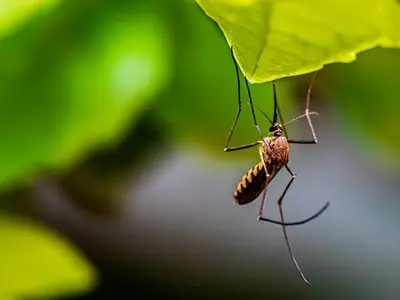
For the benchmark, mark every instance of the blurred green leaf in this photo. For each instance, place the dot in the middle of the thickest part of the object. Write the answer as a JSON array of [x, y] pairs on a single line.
[[36, 262], [366, 98], [60, 100], [277, 38], [15, 13]]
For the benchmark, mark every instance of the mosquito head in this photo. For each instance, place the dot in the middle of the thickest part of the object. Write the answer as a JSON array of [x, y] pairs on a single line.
[[276, 129]]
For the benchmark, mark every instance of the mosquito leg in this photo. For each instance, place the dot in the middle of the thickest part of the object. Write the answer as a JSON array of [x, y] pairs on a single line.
[[268, 172], [267, 181], [284, 228], [254, 114], [239, 105], [314, 216], [307, 114], [227, 148], [264, 196], [262, 206], [246, 146], [304, 142], [279, 112], [314, 140]]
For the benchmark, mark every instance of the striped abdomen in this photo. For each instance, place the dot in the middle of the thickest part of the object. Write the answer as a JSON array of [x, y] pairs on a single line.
[[251, 185]]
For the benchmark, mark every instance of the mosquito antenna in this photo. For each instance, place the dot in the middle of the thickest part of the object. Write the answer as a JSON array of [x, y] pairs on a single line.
[[302, 116], [316, 215], [265, 115]]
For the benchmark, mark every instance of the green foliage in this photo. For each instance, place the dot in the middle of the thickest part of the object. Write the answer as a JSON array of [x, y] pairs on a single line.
[[275, 39], [36, 262], [84, 89], [14, 14], [366, 96], [70, 81]]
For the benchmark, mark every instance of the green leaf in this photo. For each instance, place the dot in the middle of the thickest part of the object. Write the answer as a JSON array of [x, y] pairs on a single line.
[[37, 262], [15, 13], [60, 100], [273, 39]]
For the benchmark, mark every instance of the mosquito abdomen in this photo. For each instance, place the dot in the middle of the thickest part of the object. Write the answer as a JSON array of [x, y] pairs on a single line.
[[251, 185]]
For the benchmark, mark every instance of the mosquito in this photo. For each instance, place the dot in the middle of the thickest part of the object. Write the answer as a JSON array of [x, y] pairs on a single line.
[[274, 154]]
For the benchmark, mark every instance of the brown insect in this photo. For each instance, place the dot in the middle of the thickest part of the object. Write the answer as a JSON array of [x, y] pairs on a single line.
[[274, 154]]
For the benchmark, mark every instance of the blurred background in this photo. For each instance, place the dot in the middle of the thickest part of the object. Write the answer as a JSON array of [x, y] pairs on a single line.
[[113, 120]]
